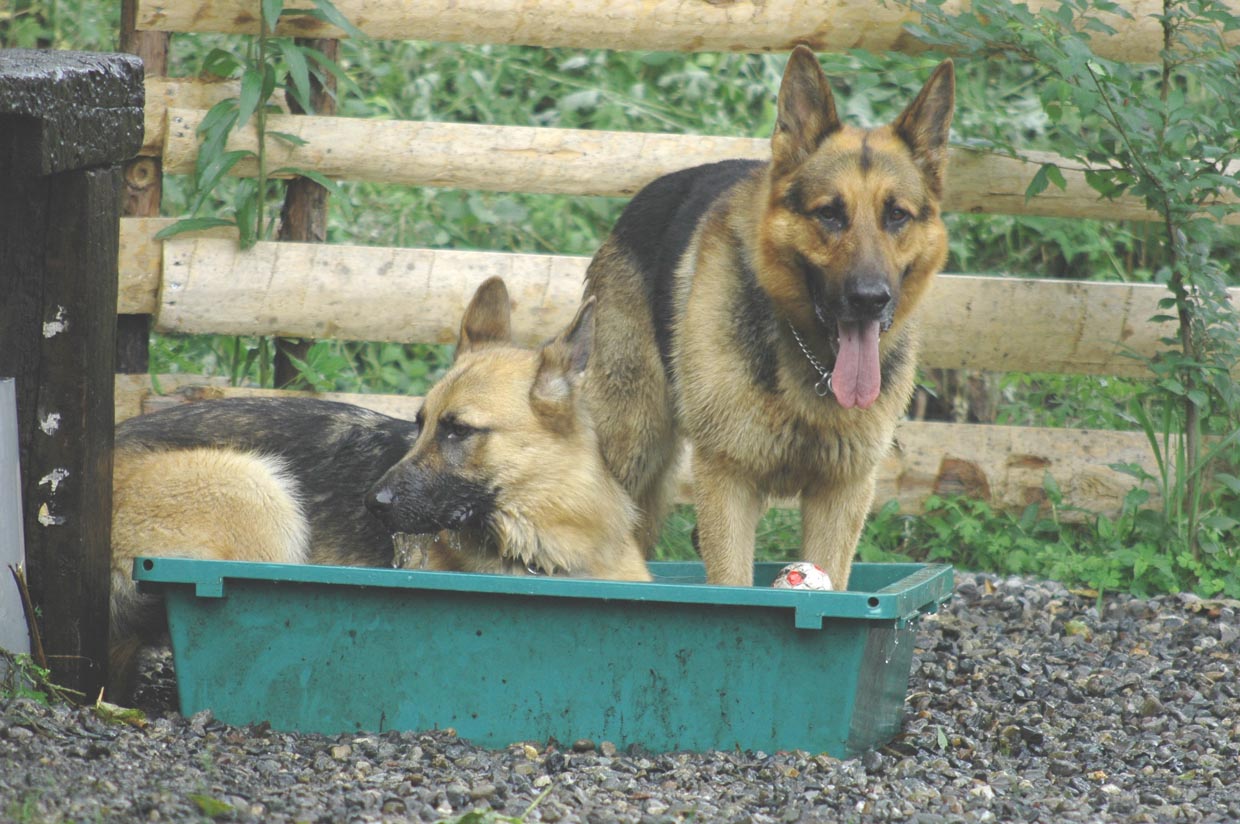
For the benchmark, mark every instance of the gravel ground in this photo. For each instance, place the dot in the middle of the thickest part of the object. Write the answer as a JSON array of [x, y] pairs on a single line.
[[1027, 703]]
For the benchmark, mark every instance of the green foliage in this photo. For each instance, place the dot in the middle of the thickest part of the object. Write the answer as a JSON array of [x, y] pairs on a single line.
[[25, 810], [1094, 402], [329, 365], [1125, 553], [1128, 552], [114, 714], [778, 536], [267, 63], [22, 677], [1166, 135], [211, 806], [59, 24]]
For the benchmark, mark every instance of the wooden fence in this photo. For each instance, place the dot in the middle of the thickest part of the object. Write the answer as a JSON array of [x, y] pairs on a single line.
[[204, 284]]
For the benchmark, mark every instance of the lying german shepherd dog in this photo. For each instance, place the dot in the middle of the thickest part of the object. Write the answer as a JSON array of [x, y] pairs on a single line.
[[766, 312], [503, 454]]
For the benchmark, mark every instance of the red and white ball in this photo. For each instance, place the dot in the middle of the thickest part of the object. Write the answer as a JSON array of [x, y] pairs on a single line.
[[802, 575]]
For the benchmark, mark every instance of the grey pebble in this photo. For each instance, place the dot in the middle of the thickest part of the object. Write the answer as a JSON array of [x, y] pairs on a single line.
[[1011, 716]]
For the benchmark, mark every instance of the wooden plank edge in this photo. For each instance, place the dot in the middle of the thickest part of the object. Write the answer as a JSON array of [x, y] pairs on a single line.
[[557, 161], [1002, 465], [417, 295], [771, 26]]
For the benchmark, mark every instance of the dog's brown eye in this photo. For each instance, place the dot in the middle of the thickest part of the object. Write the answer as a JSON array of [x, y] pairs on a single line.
[[454, 430], [897, 217], [832, 216]]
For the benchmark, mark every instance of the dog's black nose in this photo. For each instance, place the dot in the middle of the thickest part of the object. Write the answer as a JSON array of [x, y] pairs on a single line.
[[380, 499], [868, 298]]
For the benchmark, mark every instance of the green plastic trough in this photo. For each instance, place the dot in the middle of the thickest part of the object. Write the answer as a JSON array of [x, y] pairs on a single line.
[[671, 665]]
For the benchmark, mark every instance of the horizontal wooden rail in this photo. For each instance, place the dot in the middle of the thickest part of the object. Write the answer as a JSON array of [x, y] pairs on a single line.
[[141, 263], [163, 93], [658, 25], [585, 162], [1002, 465], [417, 295]]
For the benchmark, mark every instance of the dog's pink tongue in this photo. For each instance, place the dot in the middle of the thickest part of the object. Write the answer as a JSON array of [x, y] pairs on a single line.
[[857, 379]]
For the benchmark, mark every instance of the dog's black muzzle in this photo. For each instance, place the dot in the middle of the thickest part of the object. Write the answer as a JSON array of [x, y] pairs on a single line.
[[413, 502], [866, 300], [866, 295]]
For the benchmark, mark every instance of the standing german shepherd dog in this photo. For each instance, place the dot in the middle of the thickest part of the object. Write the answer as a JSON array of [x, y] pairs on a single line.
[[502, 454], [765, 311]]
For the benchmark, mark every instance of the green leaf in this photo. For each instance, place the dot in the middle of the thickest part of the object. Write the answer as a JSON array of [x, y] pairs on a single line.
[[269, 82], [218, 121], [272, 10], [1047, 173], [1220, 522], [323, 180], [251, 88], [1055, 175], [220, 63], [245, 206], [211, 807], [1173, 386], [1136, 498], [1051, 486], [1229, 481], [326, 64], [328, 13], [114, 714], [1029, 518], [332, 15], [191, 224], [286, 137], [299, 73], [210, 177]]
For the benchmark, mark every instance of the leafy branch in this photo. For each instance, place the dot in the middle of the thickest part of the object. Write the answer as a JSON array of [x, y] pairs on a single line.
[[1163, 133], [268, 62]]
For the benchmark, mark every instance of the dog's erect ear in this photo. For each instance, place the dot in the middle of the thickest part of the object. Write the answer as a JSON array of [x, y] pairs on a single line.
[[806, 112], [561, 366], [487, 320], [926, 124]]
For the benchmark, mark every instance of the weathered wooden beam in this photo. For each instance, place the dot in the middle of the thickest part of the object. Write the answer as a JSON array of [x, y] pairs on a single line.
[[659, 25], [164, 93], [140, 261], [67, 121], [144, 180], [1004, 466], [588, 162], [303, 218], [352, 292], [418, 295], [139, 394]]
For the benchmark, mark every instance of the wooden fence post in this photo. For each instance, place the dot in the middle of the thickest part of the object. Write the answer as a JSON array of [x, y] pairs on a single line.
[[304, 215], [67, 121], [144, 186]]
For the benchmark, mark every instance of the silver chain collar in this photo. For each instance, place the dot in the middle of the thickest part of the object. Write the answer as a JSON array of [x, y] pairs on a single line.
[[823, 386]]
